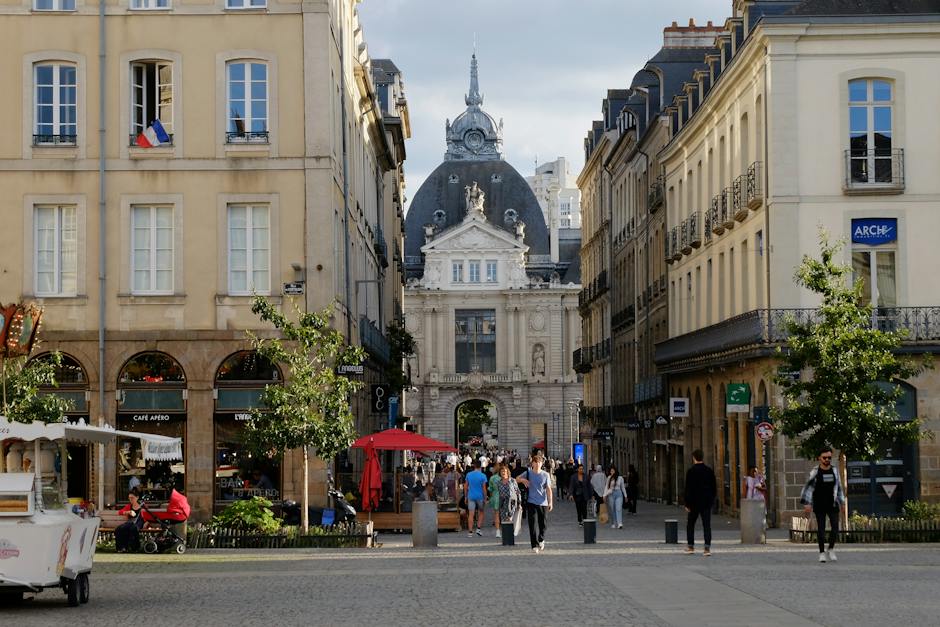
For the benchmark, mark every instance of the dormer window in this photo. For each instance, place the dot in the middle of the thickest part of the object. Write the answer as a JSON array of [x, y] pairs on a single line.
[[510, 216], [439, 217]]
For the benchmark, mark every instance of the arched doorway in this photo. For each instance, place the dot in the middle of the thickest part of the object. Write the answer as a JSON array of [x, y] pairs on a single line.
[[880, 487], [239, 384], [476, 424], [72, 386], [151, 398]]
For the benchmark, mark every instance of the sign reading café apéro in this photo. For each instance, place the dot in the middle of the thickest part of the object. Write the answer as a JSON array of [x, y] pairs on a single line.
[[150, 417]]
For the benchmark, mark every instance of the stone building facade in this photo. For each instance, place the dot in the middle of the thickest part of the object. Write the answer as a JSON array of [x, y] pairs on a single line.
[[145, 254], [493, 314]]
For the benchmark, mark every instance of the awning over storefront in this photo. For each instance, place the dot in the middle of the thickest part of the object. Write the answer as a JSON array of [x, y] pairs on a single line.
[[155, 447]]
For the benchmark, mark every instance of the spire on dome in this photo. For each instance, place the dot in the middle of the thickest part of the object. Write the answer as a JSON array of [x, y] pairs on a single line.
[[474, 98]]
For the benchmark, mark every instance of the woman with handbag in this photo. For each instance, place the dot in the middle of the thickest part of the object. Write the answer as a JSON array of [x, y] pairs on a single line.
[[614, 494], [509, 499]]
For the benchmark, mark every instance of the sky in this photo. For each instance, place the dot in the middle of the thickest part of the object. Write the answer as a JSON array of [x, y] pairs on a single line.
[[545, 66]]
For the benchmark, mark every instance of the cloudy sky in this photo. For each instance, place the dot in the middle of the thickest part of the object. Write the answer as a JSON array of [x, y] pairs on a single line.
[[545, 65]]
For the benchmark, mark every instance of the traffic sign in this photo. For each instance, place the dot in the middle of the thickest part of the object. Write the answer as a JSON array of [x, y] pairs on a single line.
[[764, 431]]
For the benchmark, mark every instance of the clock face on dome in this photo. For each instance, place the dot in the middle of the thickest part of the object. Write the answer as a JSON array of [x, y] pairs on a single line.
[[473, 140]]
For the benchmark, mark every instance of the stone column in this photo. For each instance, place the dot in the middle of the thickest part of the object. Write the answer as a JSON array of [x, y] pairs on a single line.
[[525, 359], [511, 360], [427, 340]]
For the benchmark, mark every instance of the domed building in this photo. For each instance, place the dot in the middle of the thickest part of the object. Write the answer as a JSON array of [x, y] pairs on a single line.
[[491, 301]]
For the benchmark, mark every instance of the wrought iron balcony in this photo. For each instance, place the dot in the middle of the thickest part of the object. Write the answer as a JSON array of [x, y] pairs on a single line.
[[753, 192], [655, 197], [685, 240], [714, 211], [55, 140], [373, 340], [695, 231], [676, 251], [381, 248], [727, 218], [874, 171], [667, 248], [708, 226], [246, 137], [757, 332], [738, 204]]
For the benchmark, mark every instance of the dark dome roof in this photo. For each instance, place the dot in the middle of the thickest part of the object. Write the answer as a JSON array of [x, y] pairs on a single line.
[[504, 188]]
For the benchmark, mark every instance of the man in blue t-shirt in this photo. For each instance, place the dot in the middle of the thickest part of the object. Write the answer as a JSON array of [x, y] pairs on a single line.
[[476, 497], [539, 500]]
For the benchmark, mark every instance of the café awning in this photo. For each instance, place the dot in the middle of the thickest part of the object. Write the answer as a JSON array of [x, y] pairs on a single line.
[[401, 440]]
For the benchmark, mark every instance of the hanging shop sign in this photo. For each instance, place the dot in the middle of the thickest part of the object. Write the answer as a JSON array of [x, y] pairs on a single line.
[[662, 420], [738, 398], [647, 423], [604, 434], [633, 424], [874, 231], [679, 407]]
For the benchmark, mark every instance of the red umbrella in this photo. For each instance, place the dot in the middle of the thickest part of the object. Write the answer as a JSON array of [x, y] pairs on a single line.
[[401, 440], [370, 486]]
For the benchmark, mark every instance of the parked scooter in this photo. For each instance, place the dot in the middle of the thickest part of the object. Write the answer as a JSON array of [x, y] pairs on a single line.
[[343, 511]]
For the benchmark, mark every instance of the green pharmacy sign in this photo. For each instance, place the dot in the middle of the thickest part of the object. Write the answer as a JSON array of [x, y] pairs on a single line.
[[738, 398]]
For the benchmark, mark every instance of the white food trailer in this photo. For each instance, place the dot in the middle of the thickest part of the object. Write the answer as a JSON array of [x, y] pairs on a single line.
[[49, 546]]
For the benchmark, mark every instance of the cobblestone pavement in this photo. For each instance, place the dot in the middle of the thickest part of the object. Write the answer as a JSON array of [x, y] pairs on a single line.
[[630, 577]]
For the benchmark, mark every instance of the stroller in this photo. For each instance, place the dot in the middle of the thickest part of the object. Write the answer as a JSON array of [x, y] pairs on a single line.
[[177, 511]]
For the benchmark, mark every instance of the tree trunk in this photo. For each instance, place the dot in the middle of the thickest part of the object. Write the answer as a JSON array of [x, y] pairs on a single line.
[[305, 512], [843, 477]]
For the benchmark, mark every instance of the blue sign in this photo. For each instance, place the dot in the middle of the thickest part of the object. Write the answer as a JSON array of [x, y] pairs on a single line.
[[577, 452], [874, 231], [392, 411]]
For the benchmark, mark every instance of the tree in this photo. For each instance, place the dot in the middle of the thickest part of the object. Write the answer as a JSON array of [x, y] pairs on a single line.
[[401, 347], [848, 400], [311, 408], [473, 416], [21, 381]]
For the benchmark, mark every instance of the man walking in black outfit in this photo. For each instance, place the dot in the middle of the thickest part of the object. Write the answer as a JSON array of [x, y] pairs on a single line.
[[700, 492], [824, 496]]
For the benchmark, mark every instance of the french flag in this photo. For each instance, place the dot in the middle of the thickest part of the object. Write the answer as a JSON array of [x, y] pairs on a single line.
[[154, 135]]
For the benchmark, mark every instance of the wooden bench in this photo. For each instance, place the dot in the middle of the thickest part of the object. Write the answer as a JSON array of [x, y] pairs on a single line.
[[111, 520]]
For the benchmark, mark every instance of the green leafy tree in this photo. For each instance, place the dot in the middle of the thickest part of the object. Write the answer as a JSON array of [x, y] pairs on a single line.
[[401, 347], [311, 408], [841, 402], [22, 381], [473, 416]]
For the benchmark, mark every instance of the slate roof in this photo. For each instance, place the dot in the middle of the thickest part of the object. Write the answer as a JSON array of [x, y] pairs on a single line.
[[865, 7], [386, 65]]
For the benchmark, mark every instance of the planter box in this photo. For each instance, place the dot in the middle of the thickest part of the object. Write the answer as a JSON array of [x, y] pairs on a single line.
[[338, 536], [875, 531]]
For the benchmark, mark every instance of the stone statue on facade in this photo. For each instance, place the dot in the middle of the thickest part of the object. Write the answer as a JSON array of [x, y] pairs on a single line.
[[538, 360], [474, 197]]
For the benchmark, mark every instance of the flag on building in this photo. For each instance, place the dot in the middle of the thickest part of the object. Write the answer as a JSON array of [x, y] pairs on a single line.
[[154, 135]]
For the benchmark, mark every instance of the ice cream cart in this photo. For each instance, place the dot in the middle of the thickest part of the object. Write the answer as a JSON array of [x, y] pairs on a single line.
[[44, 543]]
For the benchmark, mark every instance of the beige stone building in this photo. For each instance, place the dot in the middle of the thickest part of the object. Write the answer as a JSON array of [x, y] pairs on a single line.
[[276, 159], [493, 313], [805, 115]]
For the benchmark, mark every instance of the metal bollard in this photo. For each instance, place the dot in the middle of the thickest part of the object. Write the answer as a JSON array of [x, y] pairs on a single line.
[[509, 533], [590, 531], [672, 531]]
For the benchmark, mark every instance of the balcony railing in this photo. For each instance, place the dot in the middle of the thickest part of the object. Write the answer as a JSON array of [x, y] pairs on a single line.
[[246, 137], [738, 205], [667, 248], [460, 378], [765, 327], [685, 240], [753, 192], [381, 248], [655, 197], [648, 389], [373, 340], [727, 219], [708, 226], [676, 251], [714, 211], [55, 140], [874, 170]]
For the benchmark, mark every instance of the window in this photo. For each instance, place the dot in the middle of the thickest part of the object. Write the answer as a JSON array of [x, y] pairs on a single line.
[[246, 4], [870, 131], [150, 4], [151, 96], [475, 340], [474, 268], [152, 249], [247, 102], [456, 272], [876, 270], [55, 108], [54, 5], [249, 250], [56, 246], [491, 271]]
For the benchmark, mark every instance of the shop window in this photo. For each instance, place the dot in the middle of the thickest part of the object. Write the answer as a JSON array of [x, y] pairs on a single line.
[[151, 399], [239, 474]]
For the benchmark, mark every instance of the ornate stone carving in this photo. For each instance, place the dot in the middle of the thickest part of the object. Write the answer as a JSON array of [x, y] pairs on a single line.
[[537, 321], [538, 360], [537, 403], [474, 197]]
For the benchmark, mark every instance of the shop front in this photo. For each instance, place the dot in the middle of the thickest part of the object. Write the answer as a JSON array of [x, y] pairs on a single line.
[[240, 474], [151, 399]]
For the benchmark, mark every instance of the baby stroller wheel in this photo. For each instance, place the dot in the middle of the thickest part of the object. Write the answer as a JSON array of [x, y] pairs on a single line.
[[180, 548], [150, 546]]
